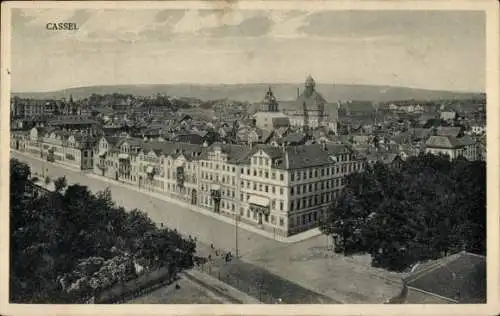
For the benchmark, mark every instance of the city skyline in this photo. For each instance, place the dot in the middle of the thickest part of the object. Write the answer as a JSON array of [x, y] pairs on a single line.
[[436, 50]]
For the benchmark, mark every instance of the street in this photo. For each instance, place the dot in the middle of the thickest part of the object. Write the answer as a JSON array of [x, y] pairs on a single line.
[[286, 269]]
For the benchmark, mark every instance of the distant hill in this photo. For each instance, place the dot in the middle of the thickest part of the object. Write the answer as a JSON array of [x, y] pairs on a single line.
[[256, 92]]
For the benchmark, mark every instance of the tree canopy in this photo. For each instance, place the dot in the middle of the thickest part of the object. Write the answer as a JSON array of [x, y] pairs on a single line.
[[69, 245], [426, 208]]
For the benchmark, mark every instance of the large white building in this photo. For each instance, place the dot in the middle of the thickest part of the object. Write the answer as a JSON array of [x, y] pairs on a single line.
[[310, 110]]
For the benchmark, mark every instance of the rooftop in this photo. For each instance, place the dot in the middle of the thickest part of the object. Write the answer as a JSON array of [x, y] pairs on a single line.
[[460, 277]]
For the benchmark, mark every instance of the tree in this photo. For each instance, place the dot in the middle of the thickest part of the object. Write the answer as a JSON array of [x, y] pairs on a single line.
[[427, 208], [60, 183], [53, 235]]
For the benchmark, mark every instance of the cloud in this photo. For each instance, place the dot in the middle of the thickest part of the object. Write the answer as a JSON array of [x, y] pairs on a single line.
[[252, 27]]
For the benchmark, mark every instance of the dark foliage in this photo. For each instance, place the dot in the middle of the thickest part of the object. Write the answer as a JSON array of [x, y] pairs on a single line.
[[52, 235], [427, 208]]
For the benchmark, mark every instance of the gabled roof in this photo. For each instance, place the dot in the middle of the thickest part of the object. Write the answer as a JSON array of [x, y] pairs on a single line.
[[236, 153], [460, 277], [446, 142]]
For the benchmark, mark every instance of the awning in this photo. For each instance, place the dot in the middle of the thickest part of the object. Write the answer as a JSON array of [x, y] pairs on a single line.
[[258, 200], [149, 169], [123, 156], [215, 187]]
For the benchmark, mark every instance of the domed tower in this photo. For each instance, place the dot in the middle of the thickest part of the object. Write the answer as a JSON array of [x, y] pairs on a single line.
[[270, 104], [310, 85]]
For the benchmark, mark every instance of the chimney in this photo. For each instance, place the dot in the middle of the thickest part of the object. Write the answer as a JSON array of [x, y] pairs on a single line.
[[323, 144]]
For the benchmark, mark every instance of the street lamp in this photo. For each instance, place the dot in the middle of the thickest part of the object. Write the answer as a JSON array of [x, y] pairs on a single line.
[[236, 219]]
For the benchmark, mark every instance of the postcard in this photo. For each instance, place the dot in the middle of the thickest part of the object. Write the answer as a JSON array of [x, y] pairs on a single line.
[[250, 157]]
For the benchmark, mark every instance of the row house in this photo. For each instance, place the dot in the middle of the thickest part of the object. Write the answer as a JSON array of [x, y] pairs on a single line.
[[219, 176], [54, 145], [74, 150], [116, 158], [170, 168]]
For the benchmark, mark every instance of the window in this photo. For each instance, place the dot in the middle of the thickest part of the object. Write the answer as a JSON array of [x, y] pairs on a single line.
[[291, 191], [274, 189], [267, 188], [281, 191], [282, 222], [281, 205], [267, 175], [255, 186], [273, 175], [292, 177], [254, 173], [260, 187], [281, 177]]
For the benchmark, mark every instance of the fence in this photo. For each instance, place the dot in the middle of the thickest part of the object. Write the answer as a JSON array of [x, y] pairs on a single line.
[[255, 290], [136, 287]]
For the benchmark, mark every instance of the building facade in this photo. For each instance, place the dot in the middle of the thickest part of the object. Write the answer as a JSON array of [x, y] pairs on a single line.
[[453, 147], [310, 110]]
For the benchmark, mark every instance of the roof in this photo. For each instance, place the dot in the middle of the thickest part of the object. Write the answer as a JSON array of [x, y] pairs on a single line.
[[313, 101], [306, 156], [447, 142], [71, 122], [296, 137], [460, 277], [448, 131], [236, 153], [174, 149]]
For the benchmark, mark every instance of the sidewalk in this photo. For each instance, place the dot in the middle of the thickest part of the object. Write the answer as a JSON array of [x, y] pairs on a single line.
[[220, 287], [288, 240]]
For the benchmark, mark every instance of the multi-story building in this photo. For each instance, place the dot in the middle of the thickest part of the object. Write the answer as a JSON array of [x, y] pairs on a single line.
[[219, 177], [284, 190], [453, 147], [170, 168], [117, 159], [310, 109], [281, 190]]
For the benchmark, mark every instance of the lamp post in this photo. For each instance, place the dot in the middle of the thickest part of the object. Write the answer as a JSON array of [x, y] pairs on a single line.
[[236, 219]]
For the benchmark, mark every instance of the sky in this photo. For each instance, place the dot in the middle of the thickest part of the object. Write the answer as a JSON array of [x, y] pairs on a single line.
[[441, 50]]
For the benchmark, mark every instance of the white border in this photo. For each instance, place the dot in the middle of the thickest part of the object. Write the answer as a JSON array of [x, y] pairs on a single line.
[[493, 140]]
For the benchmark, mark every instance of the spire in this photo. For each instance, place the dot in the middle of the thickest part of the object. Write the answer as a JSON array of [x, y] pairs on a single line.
[[270, 104]]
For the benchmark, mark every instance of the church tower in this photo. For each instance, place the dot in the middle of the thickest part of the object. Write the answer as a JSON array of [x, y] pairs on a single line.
[[270, 104], [310, 86]]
